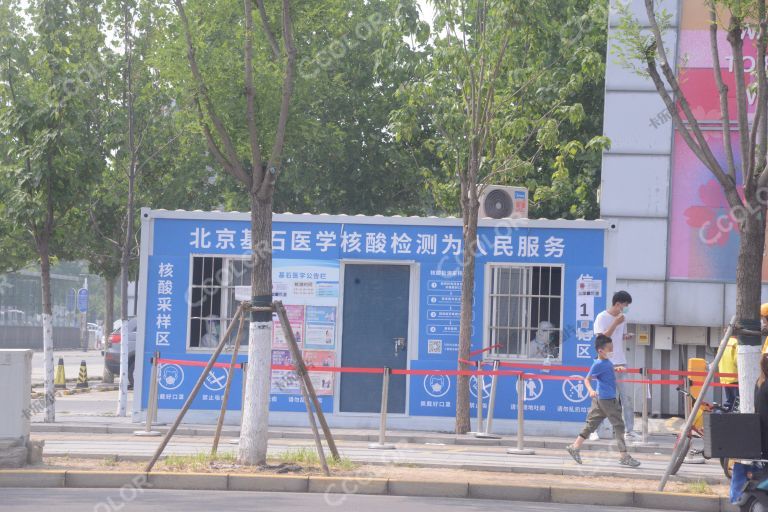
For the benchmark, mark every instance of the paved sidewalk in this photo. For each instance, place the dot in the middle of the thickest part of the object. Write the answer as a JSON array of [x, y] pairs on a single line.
[[597, 462], [86, 427]]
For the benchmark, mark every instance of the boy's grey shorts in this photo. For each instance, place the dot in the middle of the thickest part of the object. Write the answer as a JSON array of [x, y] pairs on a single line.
[[600, 410]]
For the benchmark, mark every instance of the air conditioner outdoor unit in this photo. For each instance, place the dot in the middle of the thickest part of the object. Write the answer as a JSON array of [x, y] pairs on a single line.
[[500, 202]]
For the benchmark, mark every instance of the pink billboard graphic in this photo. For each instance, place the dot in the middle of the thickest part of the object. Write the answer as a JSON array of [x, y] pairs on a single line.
[[295, 316], [703, 234]]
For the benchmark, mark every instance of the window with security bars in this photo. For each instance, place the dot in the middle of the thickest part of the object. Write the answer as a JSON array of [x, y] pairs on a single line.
[[525, 310], [213, 302]]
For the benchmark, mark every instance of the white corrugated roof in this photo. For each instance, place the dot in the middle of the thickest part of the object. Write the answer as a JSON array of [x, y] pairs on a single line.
[[376, 219]]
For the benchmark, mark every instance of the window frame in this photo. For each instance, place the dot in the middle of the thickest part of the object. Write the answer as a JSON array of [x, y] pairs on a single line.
[[225, 303], [488, 336]]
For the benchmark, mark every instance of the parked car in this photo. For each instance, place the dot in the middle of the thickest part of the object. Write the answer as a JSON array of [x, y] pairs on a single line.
[[112, 350]]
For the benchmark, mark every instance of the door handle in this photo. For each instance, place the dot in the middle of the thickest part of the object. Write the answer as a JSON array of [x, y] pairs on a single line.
[[400, 344]]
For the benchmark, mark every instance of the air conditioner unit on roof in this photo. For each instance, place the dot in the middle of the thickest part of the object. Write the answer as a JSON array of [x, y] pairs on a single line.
[[502, 202]]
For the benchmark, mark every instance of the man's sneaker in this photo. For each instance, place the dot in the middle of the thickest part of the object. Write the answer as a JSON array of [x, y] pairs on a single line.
[[594, 437], [632, 436], [574, 453], [627, 460]]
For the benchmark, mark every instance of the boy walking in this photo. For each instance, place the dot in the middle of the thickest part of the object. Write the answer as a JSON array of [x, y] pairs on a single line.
[[604, 403], [612, 323]]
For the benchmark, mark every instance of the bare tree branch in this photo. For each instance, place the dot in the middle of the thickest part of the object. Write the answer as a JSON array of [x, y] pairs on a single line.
[[489, 99], [288, 83], [737, 43], [722, 90], [257, 175], [267, 28], [721, 176], [669, 74], [209, 140], [232, 162], [470, 65], [451, 37]]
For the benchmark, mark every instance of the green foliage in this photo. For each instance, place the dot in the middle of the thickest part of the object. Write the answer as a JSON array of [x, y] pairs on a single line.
[[545, 133], [51, 120], [339, 133], [377, 116]]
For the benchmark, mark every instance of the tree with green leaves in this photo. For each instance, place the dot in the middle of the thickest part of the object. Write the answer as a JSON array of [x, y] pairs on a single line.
[[742, 173], [252, 161], [496, 96], [353, 63], [742, 170], [50, 126]]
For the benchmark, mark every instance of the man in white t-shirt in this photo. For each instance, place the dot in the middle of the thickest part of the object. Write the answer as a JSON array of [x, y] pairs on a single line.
[[612, 323]]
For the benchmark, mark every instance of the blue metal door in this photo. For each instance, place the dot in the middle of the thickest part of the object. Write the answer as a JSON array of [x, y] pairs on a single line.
[[375, 335]]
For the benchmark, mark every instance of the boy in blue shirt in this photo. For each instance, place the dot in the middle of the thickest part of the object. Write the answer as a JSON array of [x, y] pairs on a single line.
[[605, 403]]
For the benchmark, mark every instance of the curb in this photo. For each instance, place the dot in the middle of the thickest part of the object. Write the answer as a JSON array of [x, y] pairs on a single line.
[[95, 386], [355, 485], [367, 438], [523, 469]]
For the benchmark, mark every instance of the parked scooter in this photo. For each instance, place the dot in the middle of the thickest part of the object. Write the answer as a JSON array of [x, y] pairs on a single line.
[[755, 495]]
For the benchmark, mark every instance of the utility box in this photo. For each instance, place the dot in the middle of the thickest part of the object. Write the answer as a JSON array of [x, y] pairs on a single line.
[[16, 386], [732, 435]]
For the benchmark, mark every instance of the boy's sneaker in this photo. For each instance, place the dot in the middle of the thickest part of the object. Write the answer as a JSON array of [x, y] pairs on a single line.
[[627, 460], [632, 436], [574, 453], [594, 437]]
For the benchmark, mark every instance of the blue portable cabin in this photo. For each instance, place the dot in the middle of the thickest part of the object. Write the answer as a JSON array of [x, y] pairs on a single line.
[[371, 292]]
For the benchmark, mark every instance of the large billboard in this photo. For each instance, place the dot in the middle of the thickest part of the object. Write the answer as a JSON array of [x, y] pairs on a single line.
[[704, 239]]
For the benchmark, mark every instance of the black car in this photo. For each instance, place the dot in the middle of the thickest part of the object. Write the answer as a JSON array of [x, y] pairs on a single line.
[[112, 351]]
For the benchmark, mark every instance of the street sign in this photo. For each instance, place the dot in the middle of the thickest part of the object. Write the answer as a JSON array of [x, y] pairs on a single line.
[[82, 300]]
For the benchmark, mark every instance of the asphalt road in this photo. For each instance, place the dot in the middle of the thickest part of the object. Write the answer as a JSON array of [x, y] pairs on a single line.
[[141, 500]]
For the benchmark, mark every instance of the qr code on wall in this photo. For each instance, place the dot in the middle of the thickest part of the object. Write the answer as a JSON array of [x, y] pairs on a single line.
[[434, 346]]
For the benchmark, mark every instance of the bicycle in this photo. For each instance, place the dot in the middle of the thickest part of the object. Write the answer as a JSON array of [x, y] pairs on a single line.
[[697, 430]]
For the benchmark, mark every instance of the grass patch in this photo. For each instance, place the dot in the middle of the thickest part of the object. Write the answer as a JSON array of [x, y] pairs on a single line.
[[110, 462], [699, 487], [197, 462], [308, 457]]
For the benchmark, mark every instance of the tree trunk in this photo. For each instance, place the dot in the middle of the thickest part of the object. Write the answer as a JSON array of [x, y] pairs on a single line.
[[125, 258], [109, 308], [253, 437], [45, 278], [109, 319], [748, 286], [469, 233], [125, 262]]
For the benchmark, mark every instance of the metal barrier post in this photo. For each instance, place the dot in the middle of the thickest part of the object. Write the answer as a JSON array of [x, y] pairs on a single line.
[[244, 368], [491, 404], [151, 402], [479, 384], [520, 450], [646, 392], [382, 444]]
